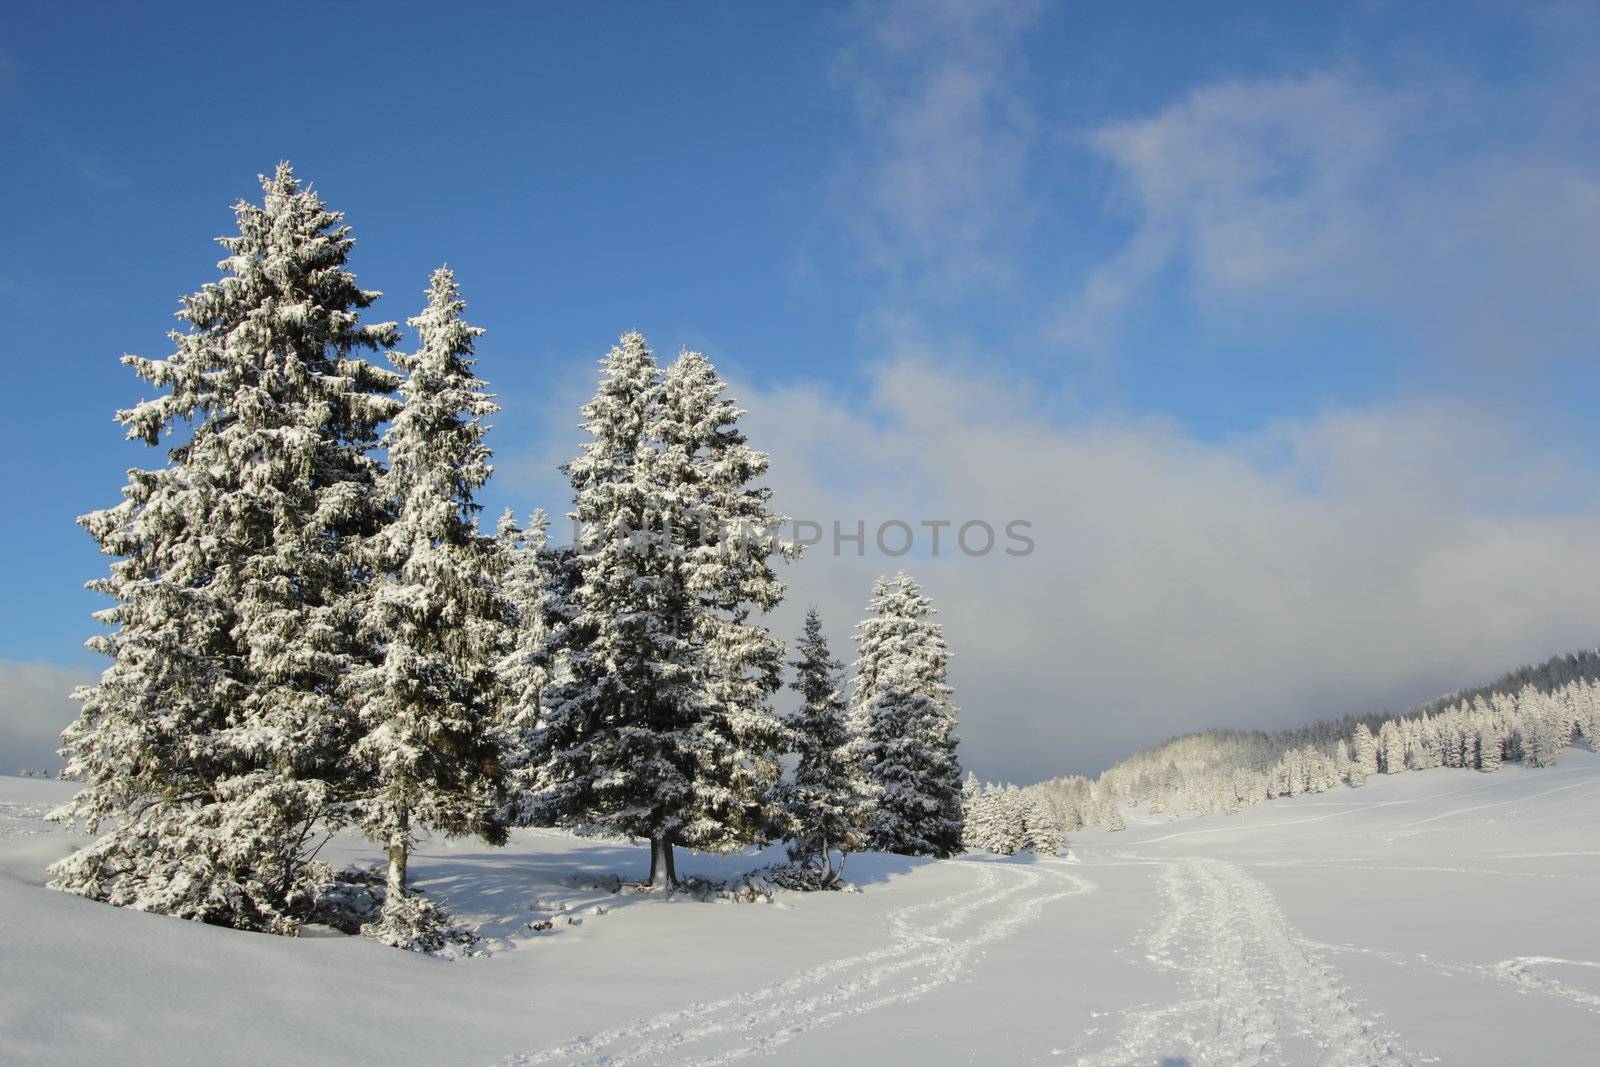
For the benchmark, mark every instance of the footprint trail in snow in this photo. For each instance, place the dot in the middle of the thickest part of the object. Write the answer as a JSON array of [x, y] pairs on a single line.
[[932, 945], [1257, 992]]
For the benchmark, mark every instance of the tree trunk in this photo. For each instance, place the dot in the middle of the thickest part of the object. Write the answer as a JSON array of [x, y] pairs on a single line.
[[827, 862], [663, 872], [399, 846]]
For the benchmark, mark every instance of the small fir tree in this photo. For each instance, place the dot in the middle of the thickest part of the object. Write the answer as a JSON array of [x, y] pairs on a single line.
[[825, 804], [904, 718], [1041, 830]]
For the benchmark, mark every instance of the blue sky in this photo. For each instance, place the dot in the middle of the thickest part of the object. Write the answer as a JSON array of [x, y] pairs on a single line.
[[1278, 321]]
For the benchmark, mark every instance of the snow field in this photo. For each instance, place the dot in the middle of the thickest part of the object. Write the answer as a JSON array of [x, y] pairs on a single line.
[[1440, 916]]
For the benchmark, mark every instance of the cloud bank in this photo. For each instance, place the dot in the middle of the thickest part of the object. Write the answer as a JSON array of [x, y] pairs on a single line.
[[1367, 555], [1353, 561]]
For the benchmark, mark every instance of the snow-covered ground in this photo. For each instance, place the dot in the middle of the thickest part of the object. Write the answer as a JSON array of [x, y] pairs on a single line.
[[1432, 916]]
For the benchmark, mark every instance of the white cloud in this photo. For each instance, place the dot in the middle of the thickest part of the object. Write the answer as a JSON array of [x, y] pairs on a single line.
[[34, 709], [946, 136], [1466, 213], [1348, 562]]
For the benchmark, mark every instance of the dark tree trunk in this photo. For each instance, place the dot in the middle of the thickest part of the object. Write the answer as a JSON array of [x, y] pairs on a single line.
[[399, 847], [663, 872]]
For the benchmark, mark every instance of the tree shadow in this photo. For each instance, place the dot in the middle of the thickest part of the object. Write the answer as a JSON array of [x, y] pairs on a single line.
[[505, 894]]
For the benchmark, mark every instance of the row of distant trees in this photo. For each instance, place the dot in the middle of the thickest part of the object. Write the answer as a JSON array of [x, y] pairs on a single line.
[[309, 632], [1530, 716]]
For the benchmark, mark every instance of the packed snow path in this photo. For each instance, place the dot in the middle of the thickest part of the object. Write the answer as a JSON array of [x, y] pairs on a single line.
[[931, 945], [1256, 991]]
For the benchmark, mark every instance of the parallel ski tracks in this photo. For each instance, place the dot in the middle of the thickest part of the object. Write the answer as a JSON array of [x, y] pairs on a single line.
[[931, 944]]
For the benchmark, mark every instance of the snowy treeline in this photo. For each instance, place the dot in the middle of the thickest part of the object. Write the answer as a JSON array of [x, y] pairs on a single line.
[[309, 631], [1007, 820], [1529, 715]]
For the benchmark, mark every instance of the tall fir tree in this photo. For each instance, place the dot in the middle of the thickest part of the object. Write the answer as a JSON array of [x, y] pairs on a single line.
[[904, 719], [615, 745], [217, 743], [724, 540], [826, 804], [429, 757], [663, 729]]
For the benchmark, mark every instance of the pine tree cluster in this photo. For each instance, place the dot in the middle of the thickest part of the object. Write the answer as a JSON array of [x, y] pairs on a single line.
[[1006, 820], [310, 633]]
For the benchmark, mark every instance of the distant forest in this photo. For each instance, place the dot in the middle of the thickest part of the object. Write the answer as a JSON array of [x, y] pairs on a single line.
[[1529, 715]]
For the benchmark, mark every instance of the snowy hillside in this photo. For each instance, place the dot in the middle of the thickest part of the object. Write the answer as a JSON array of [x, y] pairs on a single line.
[[1529, 714], [1439, 915]]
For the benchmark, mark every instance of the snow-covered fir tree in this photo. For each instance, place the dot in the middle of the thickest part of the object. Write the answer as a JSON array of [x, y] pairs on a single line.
[[217, 743], [971, 792], [826, 803], [1488, 746], [1011, 817], [1391, 748], [724, 539], [1364, 756], [613, 756], [1042, 833], [524, 555], [537, 588], [664, 728], [1545, 730], [1006, 820], [429, 758], [996, 824], [903, 719]]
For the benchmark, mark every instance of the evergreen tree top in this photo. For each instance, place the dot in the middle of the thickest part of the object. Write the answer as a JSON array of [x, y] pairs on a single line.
[[812, 649], [283, 315], [899, 643], [447, 340], [696, 414], [617, 416], [437, 455]]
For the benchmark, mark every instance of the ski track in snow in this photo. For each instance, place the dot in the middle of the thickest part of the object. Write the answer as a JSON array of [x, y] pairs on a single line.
[[22, 820], [1347, 865], [1257, 992], [922, 956], [1519, 972]]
